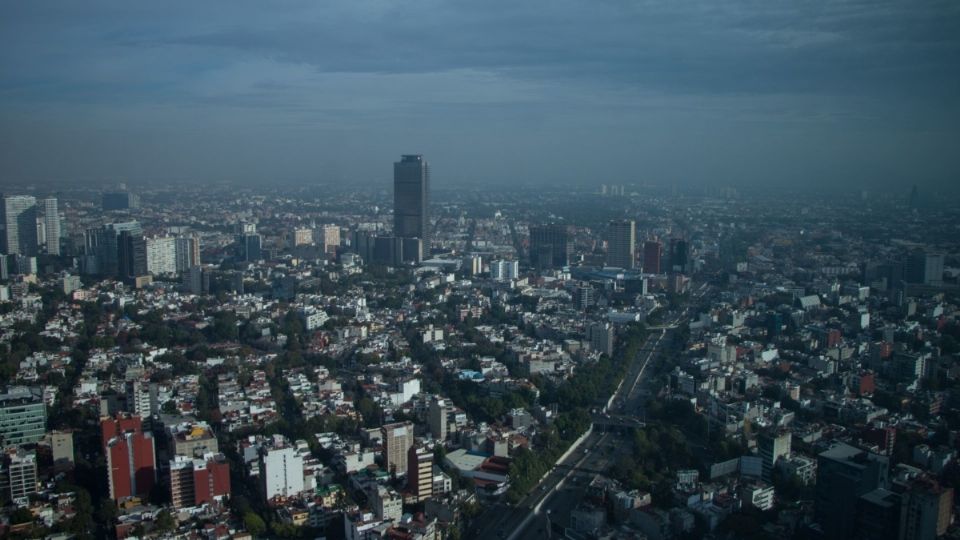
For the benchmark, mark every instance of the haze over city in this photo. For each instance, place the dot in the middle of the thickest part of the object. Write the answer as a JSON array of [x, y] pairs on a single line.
[[857, 94], [372, 270]]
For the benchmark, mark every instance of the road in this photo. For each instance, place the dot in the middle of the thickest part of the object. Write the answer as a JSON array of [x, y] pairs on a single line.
[[517, 521], [563, 487]]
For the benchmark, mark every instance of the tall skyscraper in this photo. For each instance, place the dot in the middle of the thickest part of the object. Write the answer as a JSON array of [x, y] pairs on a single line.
[[51, 225], [652, 254], [397, 440], [621, 244], [411, 199], [132, 254], [550, 246], [20, 225], [680, 256], [187, 252]]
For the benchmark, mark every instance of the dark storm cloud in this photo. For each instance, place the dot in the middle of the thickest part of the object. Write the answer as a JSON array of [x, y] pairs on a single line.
[[668, 90]]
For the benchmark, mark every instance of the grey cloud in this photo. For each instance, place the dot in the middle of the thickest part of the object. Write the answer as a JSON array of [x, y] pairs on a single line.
[[632, 80]]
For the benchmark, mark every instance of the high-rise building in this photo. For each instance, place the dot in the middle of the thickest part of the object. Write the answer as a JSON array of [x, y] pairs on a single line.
[[161, 255], [923, 267], [131, 457], [652, 253], [504, 270], [105, 245], [397, 440], [331, 238], [51, 225], [282, 472], [438, 412], [302, 236], [187, 252], [773, 446], [621, 244], [473, 264], [23, 415], [411, 199], [120, 200], [680, 255], [198, 481], [142, 398], [550, 246], [131, 254], [249, 247], [583, 296], [420, 472], [844, 474], [20, 223]]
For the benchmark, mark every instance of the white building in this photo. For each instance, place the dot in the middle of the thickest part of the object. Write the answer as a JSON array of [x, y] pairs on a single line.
[[162, 255], [281, 472], [313, 318]]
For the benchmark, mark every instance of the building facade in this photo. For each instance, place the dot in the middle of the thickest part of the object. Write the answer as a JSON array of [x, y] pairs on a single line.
[[550, 246], [20, 225], [411, 199], [51, 226], [23, 415], [397, 440], [622, 244]]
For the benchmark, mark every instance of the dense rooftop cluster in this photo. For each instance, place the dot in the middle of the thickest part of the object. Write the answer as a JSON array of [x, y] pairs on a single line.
[[233, 365]]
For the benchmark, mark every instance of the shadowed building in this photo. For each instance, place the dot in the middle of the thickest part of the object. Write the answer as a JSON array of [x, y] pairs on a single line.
[[621, 244], [411, 190]]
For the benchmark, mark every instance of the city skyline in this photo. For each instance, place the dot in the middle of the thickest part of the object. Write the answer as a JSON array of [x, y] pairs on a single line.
[[640, 269]]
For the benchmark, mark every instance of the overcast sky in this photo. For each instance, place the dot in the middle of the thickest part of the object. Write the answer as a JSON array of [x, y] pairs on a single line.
[[695, 92]]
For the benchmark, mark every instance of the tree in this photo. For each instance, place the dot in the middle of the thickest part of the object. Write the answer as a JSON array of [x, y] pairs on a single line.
[[254, 524], [165, 522], [22, 515]]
